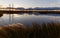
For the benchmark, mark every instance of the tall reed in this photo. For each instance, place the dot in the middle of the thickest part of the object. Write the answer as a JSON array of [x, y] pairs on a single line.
[[45, 30]]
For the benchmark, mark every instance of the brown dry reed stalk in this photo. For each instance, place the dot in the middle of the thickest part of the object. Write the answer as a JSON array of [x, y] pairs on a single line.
[[44, 30]]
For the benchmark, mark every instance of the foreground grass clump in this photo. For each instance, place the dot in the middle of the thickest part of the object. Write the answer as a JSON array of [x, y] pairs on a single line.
[[46, 30]]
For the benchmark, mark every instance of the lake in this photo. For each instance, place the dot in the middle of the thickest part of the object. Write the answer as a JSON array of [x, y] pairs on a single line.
[[28, 19]]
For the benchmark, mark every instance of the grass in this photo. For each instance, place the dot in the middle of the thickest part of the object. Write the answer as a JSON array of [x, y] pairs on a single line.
[[45, 30]]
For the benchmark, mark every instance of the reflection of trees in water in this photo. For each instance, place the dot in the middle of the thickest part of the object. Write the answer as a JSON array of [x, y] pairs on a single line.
[[29, 13], [1, 14], [37, 14]]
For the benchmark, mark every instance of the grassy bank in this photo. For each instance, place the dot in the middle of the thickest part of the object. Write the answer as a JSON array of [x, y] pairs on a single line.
[[49, 30]]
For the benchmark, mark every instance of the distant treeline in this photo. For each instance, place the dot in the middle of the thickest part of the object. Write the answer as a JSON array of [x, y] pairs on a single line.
[[39, 8]]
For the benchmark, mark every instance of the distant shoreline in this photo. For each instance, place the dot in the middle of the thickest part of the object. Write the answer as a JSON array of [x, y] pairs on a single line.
[[31, 11]]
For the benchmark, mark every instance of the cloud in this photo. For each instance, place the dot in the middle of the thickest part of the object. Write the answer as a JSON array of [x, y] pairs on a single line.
[[55, 4]]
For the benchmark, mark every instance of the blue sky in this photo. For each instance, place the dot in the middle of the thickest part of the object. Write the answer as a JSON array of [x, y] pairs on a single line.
[[31, 3]]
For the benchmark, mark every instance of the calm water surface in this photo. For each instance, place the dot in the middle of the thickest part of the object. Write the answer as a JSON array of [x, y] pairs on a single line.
[[28, 19]]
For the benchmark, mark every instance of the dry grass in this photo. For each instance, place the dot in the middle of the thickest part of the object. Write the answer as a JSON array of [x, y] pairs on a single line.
[[46, 30]]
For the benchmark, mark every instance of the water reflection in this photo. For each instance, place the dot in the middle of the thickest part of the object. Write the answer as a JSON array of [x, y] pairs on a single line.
[[28, 18], [39, 14], [1, 15]]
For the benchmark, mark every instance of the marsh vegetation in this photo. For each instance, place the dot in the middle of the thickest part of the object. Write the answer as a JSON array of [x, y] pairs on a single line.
[[45, 30]]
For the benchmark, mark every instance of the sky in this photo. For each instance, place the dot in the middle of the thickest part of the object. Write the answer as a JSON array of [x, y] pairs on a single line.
[[30, 3]]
